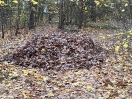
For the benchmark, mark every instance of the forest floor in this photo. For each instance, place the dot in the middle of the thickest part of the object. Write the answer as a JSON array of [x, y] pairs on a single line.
[[112, 80]]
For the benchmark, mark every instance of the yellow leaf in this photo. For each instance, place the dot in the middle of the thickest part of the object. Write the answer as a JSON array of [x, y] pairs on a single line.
[[2, 3], [108, 35], [101, 36], [107, 48], [110, 87], [118, 36], [25, 72], [16, 88], [78, 72], [97, 2], [128, 36], [105, 5], [130, 33], [117, 48], [15, 1], [126, 4], [62, 62], [31, 72], [5, 63], [59, 84], [125, 45], [89, 87], [24, 92], [43, 50], [129, 81], [76, 84], [107, 60], [124, 67], [41, 78], [34, 2], [85, 8], [124, 39], [123, 10], [120, 33], [51, 94]]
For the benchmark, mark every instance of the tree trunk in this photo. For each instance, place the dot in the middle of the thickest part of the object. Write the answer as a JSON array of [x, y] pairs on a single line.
[[93, 11], [61, 16], [71, 15], [31, 17], [130, 8], [80, 14], [10, 21], [18, 18], [2, 23]]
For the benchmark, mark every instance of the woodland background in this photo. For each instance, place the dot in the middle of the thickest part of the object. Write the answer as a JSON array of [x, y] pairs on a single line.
[[18, 14], [107, 22]]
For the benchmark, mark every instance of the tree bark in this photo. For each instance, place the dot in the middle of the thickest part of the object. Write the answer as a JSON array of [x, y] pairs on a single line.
[[130, 8], [2, 23], [18, 18], [80, 14], [31, 17], [93, 11], [61, 15]]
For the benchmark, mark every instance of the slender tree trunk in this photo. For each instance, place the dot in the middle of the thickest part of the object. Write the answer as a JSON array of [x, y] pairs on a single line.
[[31, 17], [10, 21], [2, 23], [93, 11], [80, 14], [67, 12], [71, 15], [130, 8], [41, 14], [61, 15], [18, 18]]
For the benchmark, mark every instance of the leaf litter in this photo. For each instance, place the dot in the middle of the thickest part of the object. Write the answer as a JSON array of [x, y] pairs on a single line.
[[110, 81], [58, 51]]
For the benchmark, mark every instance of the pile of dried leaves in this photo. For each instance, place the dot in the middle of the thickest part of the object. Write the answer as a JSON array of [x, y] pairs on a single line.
[[59, 51]]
